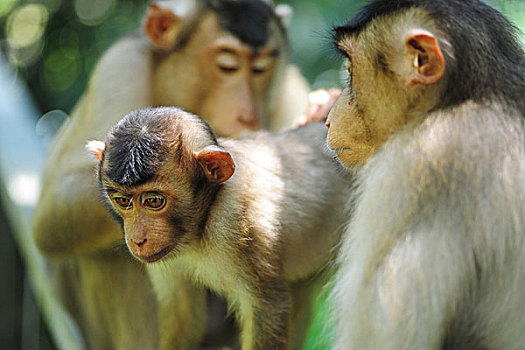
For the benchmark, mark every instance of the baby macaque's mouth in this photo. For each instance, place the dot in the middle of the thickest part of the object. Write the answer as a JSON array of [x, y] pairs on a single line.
[[157, 256]]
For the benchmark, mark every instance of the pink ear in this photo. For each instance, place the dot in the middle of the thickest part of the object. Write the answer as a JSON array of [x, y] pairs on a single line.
[[96, 148], [216, 162], [427, 57], [160, 22]]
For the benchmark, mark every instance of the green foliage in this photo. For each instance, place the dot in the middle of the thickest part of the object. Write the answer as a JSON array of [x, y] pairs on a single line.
[[310, 38], [56, 54]]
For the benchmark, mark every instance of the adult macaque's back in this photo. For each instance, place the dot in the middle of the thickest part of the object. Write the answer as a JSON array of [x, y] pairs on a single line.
[[202, 62]]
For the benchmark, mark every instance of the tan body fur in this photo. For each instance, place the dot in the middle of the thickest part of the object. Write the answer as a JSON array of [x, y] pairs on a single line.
[[452, 263], [433, 113], [274, 223], [73, 229]]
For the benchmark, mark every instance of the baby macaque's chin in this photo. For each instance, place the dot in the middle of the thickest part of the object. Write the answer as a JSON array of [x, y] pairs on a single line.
[[150, 257]]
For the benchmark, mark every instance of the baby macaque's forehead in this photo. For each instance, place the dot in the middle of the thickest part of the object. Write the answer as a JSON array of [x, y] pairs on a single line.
[[169, 171]]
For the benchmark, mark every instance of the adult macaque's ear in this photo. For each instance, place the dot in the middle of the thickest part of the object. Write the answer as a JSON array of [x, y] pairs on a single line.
[[428, 64], [284, 12], [216, 162], [96, 148], [161, 26]]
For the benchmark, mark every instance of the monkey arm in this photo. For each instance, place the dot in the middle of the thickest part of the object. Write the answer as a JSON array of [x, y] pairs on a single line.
[[70, 218], [320, 102], [178, 299], [265, 320]]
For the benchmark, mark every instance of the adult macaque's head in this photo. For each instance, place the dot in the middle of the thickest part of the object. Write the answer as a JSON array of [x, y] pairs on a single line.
[[219, 61], [396, 74]]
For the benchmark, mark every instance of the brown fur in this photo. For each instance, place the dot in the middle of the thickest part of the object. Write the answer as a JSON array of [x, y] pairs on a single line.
[[276, 221], [74, 230]]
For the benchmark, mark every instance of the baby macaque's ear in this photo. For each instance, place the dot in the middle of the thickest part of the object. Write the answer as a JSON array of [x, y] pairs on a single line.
[[216, 162], [96, 148]]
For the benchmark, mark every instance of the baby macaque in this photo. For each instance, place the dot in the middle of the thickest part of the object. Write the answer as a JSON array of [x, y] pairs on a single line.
[[244, 217], [226, 60]]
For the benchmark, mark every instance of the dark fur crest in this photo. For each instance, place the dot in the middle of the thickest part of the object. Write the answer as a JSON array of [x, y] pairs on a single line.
[[485, 60], [248, 20], [135, 148]]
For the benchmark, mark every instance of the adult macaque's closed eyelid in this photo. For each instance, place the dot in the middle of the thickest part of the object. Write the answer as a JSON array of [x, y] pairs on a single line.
[[228, 60], [262, 64]]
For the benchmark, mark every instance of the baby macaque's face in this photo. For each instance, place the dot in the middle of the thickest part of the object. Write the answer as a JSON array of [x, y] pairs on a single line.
[[155, 215], [160, 169]]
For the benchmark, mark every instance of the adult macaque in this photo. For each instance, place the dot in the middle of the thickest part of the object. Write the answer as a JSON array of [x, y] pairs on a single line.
[[224, 59], [244, 217], [434, 111]]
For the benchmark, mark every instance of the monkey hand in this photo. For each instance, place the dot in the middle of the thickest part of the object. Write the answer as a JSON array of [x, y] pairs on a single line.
[[320, 102]]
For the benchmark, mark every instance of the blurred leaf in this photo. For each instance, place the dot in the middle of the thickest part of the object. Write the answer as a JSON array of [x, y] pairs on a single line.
[[6, 6]]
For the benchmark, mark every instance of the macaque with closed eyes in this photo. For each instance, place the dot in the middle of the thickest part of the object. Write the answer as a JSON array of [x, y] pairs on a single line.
[[226, 60], [434, 116], [246, 218]]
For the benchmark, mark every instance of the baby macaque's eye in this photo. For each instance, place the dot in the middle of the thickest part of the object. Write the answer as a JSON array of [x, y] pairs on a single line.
[[123, 202], [153, 201]]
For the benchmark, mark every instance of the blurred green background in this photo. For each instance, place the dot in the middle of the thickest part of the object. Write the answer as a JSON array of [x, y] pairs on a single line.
[[53, 46]]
